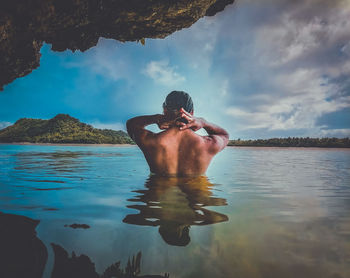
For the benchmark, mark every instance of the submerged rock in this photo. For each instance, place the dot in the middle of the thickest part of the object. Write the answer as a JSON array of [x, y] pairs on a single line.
[[78, 226], [78, 24]]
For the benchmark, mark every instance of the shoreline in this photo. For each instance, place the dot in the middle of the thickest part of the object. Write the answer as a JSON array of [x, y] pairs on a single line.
[[66, 144]]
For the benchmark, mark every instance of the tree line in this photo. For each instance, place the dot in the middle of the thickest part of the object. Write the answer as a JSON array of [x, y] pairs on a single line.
[[294, 142]]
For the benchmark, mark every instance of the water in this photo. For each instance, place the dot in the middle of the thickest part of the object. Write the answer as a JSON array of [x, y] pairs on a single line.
[[261, 212]]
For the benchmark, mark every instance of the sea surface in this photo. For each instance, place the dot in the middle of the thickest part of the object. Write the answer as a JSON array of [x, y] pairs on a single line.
[[259, 212]]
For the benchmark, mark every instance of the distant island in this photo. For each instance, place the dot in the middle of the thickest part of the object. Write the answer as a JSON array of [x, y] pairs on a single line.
[[60, 129], [294, 142]]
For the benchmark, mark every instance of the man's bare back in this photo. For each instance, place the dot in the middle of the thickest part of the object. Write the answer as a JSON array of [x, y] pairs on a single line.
[[177, 150]]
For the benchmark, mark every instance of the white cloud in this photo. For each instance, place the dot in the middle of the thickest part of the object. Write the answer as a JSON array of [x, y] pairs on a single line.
[[304, 97], [107, 60], [114, 126], [305, 30], [161, 72], [4, 124], [345, 132], [298, 63], [289, 40], [224, 90], [287, 113], [346, 48], [197, 44]]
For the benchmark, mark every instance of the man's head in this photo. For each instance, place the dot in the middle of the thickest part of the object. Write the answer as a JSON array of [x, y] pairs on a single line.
[[177, 100]]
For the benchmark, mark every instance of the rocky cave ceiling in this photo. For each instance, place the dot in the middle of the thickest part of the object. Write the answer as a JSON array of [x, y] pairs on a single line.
[[78, 24]]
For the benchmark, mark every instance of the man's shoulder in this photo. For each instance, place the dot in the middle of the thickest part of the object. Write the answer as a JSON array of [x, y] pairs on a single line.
[[177, 135], [195, 139], [172, 135]]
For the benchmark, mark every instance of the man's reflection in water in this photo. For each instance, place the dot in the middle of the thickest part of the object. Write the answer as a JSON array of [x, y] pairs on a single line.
[[174, 204]]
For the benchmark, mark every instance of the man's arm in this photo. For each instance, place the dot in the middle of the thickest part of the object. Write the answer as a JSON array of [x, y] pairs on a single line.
[[136, 127], [217, 136]]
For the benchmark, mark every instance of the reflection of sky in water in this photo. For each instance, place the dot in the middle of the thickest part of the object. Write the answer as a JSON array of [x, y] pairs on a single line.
[[287, 209]]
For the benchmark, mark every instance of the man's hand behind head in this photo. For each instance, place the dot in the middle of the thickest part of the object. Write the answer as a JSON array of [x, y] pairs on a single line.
[[167, 120], [192, 122]]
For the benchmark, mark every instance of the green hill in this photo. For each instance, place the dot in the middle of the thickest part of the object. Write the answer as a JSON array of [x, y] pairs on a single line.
[[60, 129]]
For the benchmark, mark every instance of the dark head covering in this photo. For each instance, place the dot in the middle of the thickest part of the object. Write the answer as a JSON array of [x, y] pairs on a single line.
[[177, 100]]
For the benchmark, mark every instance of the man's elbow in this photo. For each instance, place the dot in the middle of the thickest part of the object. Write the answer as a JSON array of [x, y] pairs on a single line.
[[226, 137]]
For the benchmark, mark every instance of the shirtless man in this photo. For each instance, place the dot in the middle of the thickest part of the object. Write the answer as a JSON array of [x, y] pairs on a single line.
[[177, 150]]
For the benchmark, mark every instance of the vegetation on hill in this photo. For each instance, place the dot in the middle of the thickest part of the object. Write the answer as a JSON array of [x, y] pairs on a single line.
[[294, 142], [60, 129]]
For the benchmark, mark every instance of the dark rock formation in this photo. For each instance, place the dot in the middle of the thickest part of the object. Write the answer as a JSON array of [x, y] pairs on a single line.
[[22, 254], [78, 24], [71, 267]]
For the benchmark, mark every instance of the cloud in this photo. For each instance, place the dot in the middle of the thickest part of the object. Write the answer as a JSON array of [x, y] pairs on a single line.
[[308, 33], [224, 90], [4, 124], [293, 69], [161, 72], [304, 97], [341, 132], [346, 48], [107, 59], [114, 126], [197, 44]]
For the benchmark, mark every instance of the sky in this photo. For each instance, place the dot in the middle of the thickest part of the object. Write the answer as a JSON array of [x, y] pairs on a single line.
[[260, 69]]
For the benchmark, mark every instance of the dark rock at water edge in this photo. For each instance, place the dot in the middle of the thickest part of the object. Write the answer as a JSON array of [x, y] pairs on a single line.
[[78, 24], [22, 253]]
